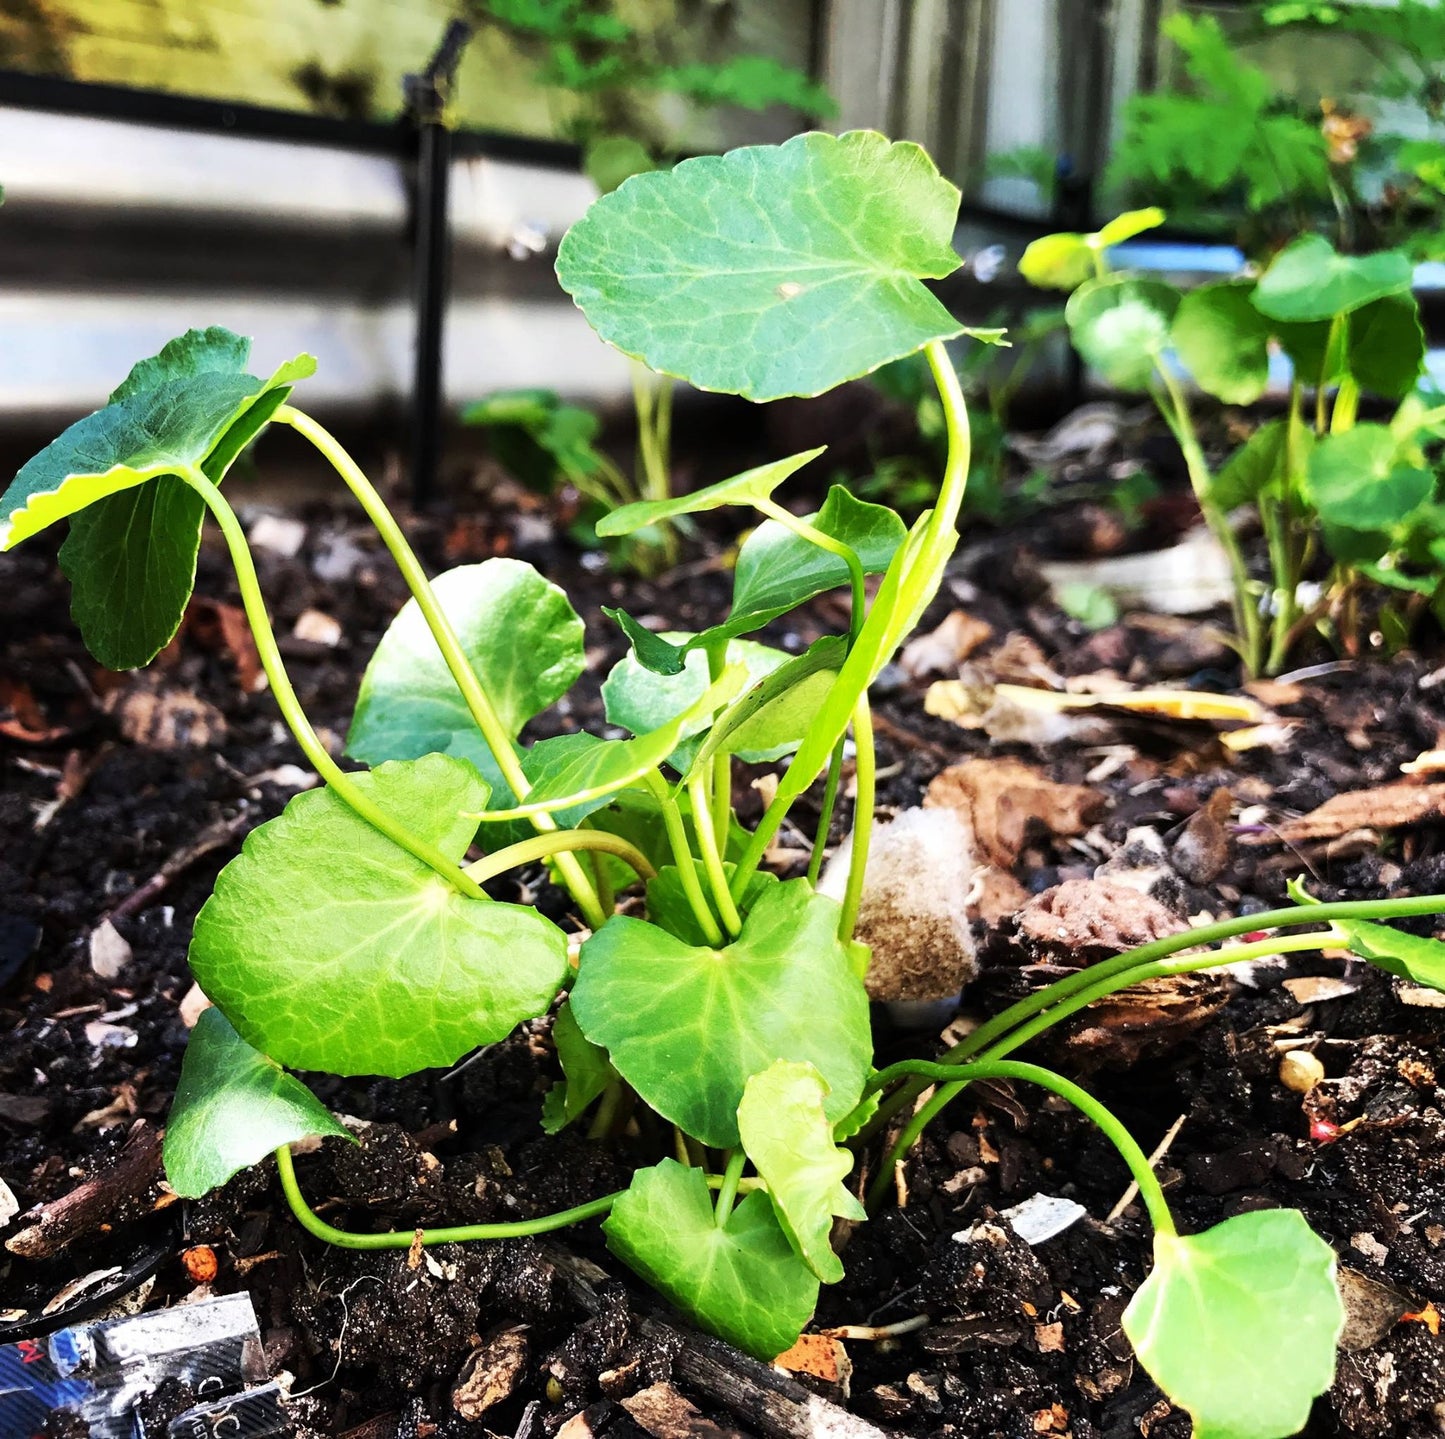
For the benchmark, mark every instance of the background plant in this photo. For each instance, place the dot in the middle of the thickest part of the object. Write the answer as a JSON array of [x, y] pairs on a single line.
[[1357, 497]]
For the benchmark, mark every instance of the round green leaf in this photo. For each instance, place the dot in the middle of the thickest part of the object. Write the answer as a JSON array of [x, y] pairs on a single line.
[[1223, 341], [740, 1280], [233, 1107], [524, 641], [1257, 464], [1238, 1324], [644, 701], [585, 1069], [1355, 482], [1311, 280], [789, 1139], [687, 1026], [1120, 326], [744, 489], [774, 269], [331, 948], [1386, 346]]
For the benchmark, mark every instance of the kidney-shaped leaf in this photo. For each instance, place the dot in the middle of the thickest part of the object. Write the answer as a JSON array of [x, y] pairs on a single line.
[[740, 1280], [789, 1139], [524, 641], [1311, 280], [1223, 341], [774, 269], [1411, 956], [1356, 482], [1120, 325], [131, 555], [1238, 1324], [233, 1106], [1386, 346], [744, 489], [1258, 463], [688, 1026], [329, 947], [1058, 262]]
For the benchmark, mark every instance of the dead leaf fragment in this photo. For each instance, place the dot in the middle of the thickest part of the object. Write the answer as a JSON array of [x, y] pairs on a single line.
[[1372, 1309], [1001, 799], [490, 1374], [109, 952], [222, 628], [665, 1414], [941, 651], [150, 713], [821, 1355], [1391, 806], [1082, 921], [1205, 846]]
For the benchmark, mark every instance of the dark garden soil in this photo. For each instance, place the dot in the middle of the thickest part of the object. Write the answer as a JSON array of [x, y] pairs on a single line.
[[123, 796]]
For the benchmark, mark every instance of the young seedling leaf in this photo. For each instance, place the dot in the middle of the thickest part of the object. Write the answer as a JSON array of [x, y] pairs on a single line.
[[645, 701], [1411, 956], [334, 949], [1058, 262], [1253, 468], [583, 773], [1238, 1324], [778, 570], [789, 1139], [774, 269], [1223, 341], [233, 1107], [744, 489], [1120, 325], [1386, 346], [687, 1025], [1127, 226], [1311, 280], [131, 556], [740, 1280], [668, 906], [1356, 482], [585, 1067], [524, 641], [773, 716]]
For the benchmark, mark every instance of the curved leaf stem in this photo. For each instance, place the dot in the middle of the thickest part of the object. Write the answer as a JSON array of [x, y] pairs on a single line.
[[549, 846], [1287, 918], [1081, 998], [728, 1190], [722, 766], [717, 878], [478, 704], [682, 856], [814, 536], [866, 780], [957, 1076], [296, 721], [825, 813]]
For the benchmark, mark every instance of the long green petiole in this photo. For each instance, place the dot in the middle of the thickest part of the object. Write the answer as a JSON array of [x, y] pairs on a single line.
[[478, 704], [712, 862], [728, 1190], [682, 857], [774, 511], [956, 1077], [866, 781], [825, 812], [271, 662], [1081, 998], [550, 846]]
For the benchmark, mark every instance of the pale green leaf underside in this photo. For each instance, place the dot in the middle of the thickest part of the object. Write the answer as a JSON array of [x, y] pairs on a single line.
[[585, 1069], [787, 1135], [742, 1282], [1411, 956], [744, 489], [156, 432], [331, 948], [233, 1107], [687, 1026], [774, 269], [1238, 1324], [524, 641]]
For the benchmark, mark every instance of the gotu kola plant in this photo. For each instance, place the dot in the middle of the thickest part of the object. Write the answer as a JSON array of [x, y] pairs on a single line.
[[352, 935], [1325, 485]]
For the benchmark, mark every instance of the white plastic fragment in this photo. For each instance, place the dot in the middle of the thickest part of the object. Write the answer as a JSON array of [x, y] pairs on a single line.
[[278, 534], [1037, 1219], [9, 1205]]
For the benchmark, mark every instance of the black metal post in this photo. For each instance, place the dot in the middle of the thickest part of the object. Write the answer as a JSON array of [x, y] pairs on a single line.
[[431, 250]]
